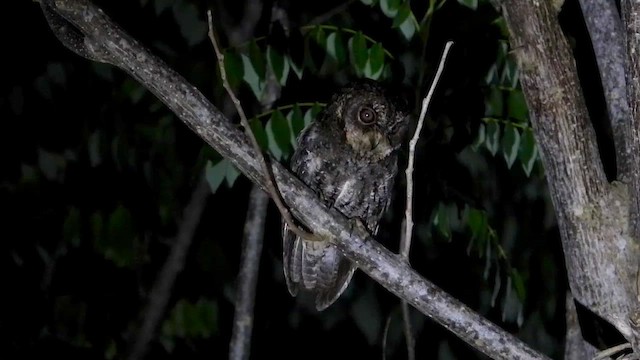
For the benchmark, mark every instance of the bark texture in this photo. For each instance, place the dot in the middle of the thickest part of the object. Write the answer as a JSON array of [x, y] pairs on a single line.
[[240, 345], [593, 215], [605, 29], [631, 21]]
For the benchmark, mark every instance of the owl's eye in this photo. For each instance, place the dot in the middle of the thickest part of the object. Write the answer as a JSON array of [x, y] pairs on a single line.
[[367, 116]]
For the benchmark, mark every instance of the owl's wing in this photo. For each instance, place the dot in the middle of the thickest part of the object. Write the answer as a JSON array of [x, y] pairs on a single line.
[[315, 265], [335, 275]]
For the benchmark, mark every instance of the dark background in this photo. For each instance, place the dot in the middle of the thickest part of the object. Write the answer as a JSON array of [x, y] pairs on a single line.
[[96, 174]]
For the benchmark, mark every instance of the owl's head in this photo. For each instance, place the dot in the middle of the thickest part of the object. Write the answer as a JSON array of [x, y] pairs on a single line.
[[373, 119]]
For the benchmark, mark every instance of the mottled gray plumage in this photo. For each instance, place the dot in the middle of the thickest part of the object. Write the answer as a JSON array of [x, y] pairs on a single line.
[[348, 156]]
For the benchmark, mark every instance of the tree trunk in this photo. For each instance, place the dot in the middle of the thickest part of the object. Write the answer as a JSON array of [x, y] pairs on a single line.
[[601, 254]]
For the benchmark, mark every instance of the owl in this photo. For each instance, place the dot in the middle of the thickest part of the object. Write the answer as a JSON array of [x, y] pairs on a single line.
[[348, 156]]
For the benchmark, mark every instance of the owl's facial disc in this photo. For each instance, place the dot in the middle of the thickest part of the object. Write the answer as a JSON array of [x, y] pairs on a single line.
[[365, 128], [373, 120]]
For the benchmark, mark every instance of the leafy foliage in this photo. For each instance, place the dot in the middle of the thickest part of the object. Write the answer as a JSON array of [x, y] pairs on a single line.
[[98, 173], [190, 321]]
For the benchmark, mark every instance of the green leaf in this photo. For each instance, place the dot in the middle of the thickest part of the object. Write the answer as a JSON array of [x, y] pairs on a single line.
[[518, 283], [403, 14], [296, 122], [517, 106], [120, 240], [311, 114], [510, 75], [376, 59], [278, 64], [497, 283], [441, 221], [191, 321], [258, 61], [493, 137], [510, 144], [258, 131], [471, 4], [71, 227], [298, 70], [251, 77], [390, 7], [315, 48], [492, 75], [233, 68], [408, 29], [52, 165], [480, 138], [278, 133], [528, 151], [215, 174], [209, 314], [369, 2], [487, 261], [477, 222], [336, 47], [359, 51], [296, 50], [231, 174], [494, 103]]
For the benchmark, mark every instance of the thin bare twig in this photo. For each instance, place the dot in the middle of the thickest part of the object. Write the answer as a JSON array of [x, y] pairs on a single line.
[[405, 241], [385, 334], [271, 185], [408, 332], [240, 345], [161, 291]]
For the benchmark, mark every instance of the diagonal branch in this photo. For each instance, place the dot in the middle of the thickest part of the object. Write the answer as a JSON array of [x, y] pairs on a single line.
[[271, 185], [357, 244], [161, 291], [605, 29]]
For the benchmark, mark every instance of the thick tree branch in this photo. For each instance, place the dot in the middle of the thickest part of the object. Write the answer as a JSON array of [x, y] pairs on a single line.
[[605, 29], [203, 118], [592, 214], [240, 345], [631, 18]]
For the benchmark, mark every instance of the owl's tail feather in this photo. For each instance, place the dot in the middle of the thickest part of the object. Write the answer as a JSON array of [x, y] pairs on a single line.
[[327, 296], [317, 266]]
